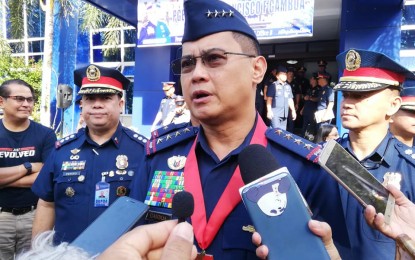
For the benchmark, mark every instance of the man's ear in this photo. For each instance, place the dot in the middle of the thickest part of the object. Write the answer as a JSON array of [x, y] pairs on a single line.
[[260, 67], [395, 104]]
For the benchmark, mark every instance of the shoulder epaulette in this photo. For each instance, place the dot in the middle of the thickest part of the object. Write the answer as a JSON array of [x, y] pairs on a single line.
[[167, 129], [407, 152], [294, 143], [67, 139], [162, 142], [135, 136]]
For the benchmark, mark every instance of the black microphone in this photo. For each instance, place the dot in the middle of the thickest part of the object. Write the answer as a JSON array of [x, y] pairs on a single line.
[[276, 207], [183, 205], [256, 161]]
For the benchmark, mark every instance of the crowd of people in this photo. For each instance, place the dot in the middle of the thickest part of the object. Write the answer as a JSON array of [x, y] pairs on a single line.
[[219, 70], [287, 99]]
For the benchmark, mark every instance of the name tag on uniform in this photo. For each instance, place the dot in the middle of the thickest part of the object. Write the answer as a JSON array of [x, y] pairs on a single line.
[[156, 216], [72, 173]]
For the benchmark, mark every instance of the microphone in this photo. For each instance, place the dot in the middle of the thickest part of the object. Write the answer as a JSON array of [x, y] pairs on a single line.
[[277, 208], [255, 161], [183, 205]]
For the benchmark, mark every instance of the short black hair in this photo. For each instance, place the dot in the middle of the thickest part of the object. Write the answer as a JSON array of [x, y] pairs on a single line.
[[5, 89]]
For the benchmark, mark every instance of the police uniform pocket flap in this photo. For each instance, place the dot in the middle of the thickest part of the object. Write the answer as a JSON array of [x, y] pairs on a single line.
[[71, 176]]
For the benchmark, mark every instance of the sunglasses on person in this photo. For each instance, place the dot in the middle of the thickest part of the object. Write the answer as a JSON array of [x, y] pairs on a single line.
[[21, 99], [211, 59]]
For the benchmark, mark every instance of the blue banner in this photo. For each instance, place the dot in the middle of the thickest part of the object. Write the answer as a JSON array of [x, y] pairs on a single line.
[[162, 23]]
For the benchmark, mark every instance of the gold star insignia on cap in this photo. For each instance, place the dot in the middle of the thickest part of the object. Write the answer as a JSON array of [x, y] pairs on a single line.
[[93, 73], [160, 140], [168, 137], [353, 60], [177, 133]]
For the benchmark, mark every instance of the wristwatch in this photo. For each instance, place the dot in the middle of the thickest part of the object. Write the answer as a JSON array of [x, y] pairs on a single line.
[[28, 167]]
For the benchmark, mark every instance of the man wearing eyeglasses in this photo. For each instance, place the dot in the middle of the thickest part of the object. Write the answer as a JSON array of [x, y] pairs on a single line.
[[219, 71], [24, 147]]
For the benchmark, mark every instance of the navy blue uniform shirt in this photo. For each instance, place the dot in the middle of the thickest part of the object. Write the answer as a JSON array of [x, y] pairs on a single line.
[[70, 175], [391, 162], [233, 241]]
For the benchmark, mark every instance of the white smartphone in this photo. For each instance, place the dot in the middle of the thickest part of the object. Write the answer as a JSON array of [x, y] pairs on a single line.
[[116, 220], [356, 179]]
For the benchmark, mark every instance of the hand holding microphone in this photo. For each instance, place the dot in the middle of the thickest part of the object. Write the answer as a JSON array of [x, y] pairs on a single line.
[[166, 240]]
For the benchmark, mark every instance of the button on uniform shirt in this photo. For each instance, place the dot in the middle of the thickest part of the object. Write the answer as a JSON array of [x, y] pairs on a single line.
[[73, 178]]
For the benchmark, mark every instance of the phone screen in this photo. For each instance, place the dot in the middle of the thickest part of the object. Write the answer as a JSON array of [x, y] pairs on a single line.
[[110, 225], [353, 176]]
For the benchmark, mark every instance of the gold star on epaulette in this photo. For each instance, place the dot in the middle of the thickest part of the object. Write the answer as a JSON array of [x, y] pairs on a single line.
[[288, 136], [186, 130], [209, 14], [308, 146], [230, 13], [216, 13], [297, 141], [223, 13], [160, 140], [177, 133], [278, 131], [168, 137], [165, 127]]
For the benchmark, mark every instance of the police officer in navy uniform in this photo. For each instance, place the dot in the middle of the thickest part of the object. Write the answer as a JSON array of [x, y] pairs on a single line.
[[322, 65], [90, 169], [370, 86], [220, 69], [167, 106], [280, 100]]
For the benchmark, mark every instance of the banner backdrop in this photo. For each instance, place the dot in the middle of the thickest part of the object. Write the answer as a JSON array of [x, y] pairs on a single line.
[[161, 23]]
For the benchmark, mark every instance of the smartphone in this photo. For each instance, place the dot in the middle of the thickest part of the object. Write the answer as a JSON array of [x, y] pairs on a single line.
[[356, 179], [281, 215], [116, 220]]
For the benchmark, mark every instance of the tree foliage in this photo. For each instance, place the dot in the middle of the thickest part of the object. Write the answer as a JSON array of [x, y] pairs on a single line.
[[15, 68]]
